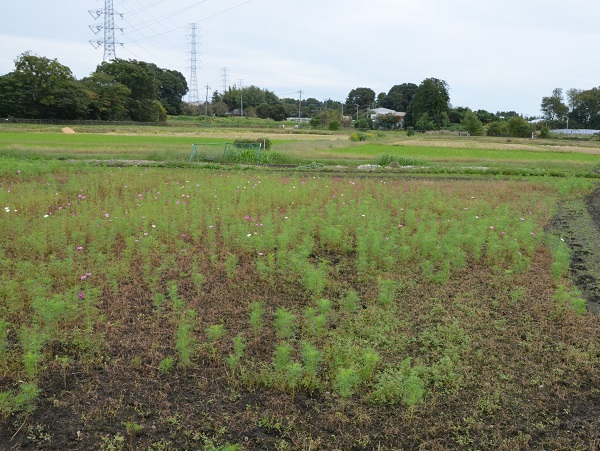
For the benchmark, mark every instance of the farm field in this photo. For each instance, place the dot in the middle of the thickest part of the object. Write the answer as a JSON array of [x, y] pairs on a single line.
[[207, 307]]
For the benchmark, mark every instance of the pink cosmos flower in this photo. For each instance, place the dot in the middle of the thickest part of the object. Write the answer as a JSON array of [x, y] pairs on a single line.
[[106, 215], [80, 295]]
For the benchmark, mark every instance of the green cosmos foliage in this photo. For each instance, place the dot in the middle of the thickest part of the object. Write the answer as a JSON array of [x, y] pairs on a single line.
[[352, 245]]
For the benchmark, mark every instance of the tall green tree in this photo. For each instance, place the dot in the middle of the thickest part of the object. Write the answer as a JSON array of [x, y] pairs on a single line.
[[471, 124], [251, 96], [108, 99], [519, 127], [360, 97], [172, 88], [400, 97], [485, 116], [432, 97], [42, 88], [553, 106], [586, 108], [141, 81]]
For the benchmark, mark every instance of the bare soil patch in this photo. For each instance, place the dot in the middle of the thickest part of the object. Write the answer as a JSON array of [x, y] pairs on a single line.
[[578, 224]]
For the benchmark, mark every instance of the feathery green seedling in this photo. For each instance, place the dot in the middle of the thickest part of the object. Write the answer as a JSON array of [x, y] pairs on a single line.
[[387, 292], [350, 302], [132, 429], [284, 323], [166, 365], [64, 363], [233, 359], [292, 376], [256, 318], [324, 306], [368, 363], [199, 280], [345, 383], [282, 357], [185, 341], [177, 303], [315, 279], [4, 329], [214, 333], [414, 392], [32, 342], [23, 400], [562, 259], [311, 359], [231, 264], [184, 345]]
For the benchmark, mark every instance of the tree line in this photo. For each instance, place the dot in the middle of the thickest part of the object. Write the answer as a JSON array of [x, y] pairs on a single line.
[[130, 90], [427, 107], [580, 109], [119, 90]]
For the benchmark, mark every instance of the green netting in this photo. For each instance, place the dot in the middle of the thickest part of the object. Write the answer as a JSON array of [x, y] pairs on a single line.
[[242, 152], [207, 151], [227, 152]]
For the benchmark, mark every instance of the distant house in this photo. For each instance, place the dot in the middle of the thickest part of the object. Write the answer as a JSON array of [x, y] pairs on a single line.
[[377, 112], [383, 111]]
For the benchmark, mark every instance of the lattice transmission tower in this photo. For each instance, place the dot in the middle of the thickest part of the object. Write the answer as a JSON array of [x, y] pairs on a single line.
[[108, 27], [193, 94]]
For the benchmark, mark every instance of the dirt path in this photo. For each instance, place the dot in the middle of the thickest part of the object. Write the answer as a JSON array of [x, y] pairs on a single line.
[[578, 224]]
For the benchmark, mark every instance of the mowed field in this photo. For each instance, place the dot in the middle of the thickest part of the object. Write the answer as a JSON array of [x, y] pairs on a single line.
[[176, 305]]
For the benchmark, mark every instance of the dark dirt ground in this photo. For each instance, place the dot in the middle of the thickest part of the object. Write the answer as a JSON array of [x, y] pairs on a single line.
[[578, 224]]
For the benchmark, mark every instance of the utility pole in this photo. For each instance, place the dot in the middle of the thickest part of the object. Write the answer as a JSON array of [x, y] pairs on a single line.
[[206, 106], [109, 28], [241, 98], [193, 95], [299, 106]]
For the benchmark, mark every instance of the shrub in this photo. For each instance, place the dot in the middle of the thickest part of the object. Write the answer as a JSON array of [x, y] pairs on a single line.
[[334, 125], [357, 137], [497, 128], [363, 124]]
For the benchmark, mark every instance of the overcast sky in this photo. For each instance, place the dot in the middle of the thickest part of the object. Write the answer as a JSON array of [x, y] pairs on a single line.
[[495, 55]]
